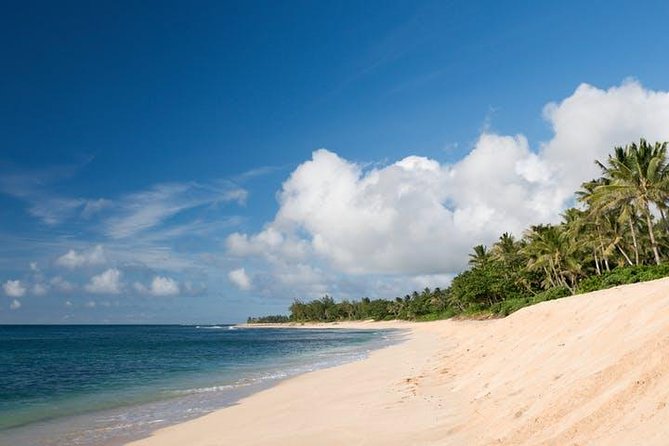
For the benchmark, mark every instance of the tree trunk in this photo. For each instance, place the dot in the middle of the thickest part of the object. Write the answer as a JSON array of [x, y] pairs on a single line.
[[624, 254], [572, 289], [558, 277], [636, 246], [550, 276], [653, 243], [601, 246], [594, 254]]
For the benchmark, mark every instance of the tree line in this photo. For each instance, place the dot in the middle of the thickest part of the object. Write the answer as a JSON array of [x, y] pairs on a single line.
[[616, 233]]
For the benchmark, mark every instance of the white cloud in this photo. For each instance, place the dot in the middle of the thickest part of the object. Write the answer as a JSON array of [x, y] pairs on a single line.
[[418, 218], [388, 220], [68, 304], [73, 259], [39, 289], [431, 281], [15, 305], [300, 279], [194, 289], [54, 210], [590, 122], [33, 186], [90, 304], [240, 279], [108, 282], [14, 288], [61, 284], [92, 207], [159, 286], [164, 286], [34, 267], [140, 211]]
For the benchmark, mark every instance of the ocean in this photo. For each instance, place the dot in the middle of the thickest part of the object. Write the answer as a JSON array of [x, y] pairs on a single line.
[[106, 384]]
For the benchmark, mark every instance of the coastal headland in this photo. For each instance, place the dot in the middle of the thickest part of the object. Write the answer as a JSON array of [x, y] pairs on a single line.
[[590, 369]]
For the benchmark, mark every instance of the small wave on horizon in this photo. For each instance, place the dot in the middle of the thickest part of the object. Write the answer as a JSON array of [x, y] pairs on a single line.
[[215, 327]]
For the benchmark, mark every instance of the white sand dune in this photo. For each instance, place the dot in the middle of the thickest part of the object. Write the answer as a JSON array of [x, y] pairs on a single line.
[[586, 370]]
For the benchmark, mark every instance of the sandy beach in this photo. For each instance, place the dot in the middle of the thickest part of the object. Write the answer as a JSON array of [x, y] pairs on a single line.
[[591, 369]]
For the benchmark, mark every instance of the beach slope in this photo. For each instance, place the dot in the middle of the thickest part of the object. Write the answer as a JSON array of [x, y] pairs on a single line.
[[590, 369]]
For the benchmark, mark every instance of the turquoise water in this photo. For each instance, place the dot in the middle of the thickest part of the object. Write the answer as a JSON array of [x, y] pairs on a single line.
[[94, 385]]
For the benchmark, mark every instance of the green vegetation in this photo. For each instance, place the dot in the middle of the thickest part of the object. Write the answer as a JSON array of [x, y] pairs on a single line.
[[618, 234]]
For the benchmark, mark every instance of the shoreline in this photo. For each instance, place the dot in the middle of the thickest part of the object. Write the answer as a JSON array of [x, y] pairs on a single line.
[[369, 324], [587, 369], [161, 412], [416, 338]]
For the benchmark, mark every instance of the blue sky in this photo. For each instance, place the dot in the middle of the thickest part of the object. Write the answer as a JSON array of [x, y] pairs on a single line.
[[159, 160]]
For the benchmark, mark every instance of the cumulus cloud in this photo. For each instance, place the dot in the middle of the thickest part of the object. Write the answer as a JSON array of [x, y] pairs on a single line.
[[14, 288], [164, 286], [15, 305], [108, 282], [74, 259], [159, 286], [418, 217], [393, 220], [591, 121], [240, 279], [431, 280], [60, 284], [39, 289]]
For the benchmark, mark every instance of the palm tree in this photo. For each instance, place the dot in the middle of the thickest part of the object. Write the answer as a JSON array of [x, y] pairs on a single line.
[[479, 257], [636, 177], [550, 250], [506, 249], [605, 226], [578, 229], [615, 234]]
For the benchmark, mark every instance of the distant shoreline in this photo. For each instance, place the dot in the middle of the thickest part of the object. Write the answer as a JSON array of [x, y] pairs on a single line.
[[358, 325]]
